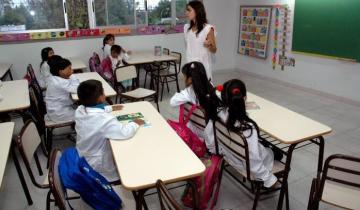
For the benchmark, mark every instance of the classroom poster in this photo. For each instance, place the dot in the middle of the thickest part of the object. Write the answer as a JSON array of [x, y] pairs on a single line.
[[254, 30]]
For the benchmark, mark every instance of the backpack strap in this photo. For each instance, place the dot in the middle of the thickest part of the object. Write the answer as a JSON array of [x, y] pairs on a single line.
[[181, 113]]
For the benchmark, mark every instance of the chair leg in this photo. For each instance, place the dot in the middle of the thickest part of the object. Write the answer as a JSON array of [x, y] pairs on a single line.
[[257, 195], [38, 164], [146, 73], [167, 84], [287, 198], [162, 90], [48, 200], [157, 102], [49, 139]]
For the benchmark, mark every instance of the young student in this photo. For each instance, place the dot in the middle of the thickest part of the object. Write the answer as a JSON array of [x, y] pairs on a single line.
[[95, 125], [61, 84], [198, 91], [46, 53], [199, 37], [110, 63], [236, 119], [108, 41]]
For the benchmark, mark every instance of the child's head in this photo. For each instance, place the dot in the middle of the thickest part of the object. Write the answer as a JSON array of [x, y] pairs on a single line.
[[233, 97], [109, 39], [195, 75], [46, 53], [91, 93], [60, 67], [115, 51], [196, 14]]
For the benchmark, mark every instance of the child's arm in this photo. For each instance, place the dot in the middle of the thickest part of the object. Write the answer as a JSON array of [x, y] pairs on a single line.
[[186, 95], [117, 130], [71, 84]]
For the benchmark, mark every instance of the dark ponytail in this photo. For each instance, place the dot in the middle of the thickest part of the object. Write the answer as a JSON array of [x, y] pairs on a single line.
[[204, 90], [233, 96]]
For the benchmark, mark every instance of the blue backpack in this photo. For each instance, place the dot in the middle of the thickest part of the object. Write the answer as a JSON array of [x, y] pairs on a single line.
[[76, 174]]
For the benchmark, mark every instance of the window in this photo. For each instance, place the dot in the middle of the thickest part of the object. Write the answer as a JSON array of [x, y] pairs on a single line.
[[180, 6], [159, 12], [77, 14], [138, 12], [25, 15], [114, 12]]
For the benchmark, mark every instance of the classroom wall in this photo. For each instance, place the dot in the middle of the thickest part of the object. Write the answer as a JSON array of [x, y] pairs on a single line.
[[334, 77], [21, 54]]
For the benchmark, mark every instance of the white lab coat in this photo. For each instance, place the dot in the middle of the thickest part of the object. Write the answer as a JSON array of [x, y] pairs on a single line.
[[261, 158], [106, 51], [44, 74], [94, 126], [59, 104], [185, 96]]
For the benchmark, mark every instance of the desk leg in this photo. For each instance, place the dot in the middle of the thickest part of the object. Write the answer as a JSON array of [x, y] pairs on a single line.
[[284, 187], [321, 155], [137, 75], [140, 200], [177, 78], [21, 175]]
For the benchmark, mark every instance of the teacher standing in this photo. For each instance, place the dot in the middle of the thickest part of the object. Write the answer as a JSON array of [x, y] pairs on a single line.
[[199, 37]]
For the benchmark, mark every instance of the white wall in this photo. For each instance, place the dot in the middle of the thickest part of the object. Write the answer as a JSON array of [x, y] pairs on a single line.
[[330, 76], [20, 54], [220, 13]]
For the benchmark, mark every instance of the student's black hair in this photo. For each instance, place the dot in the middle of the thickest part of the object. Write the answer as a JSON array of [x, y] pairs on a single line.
[[115, 48], [45, 54], [200, 15], [232, 96], [204, 90], [57, 63], [89, 91], [107, 38]]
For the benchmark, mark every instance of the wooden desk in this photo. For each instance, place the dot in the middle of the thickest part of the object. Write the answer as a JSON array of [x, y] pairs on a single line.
[[15, 96], [77, 64], [144, 57], [290, 128], [6, 130], [155, 152], [108, 90], [147, 57], [5, 69]]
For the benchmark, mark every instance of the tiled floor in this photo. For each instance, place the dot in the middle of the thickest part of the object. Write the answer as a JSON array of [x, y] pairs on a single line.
[[343, 118]]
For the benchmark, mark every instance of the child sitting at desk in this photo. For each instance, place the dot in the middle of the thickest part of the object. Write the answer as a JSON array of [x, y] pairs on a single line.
[[236, 119], [61, 84], [95, 125], [46, 53], [198, 91]]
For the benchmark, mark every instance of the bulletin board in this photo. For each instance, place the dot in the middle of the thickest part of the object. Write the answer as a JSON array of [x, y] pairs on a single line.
[[254, 30]]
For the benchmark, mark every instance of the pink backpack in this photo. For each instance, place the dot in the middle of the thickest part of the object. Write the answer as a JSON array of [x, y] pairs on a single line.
[[205, 184], [191, 139]]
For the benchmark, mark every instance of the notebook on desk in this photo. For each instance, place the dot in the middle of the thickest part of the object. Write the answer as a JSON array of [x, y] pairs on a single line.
[[126, 118]]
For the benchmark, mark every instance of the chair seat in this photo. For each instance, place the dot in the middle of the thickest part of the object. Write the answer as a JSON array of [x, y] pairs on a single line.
[[341, 195], [138, 93], [126, 197], [51, 124]]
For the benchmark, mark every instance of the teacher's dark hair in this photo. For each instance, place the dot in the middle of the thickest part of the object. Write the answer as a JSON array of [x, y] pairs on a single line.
[[200, 16]]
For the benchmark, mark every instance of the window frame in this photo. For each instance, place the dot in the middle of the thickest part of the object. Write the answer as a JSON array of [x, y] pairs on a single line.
[[44, 30]]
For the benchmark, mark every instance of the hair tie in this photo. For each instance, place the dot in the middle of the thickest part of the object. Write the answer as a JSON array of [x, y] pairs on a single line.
[[192, 65], [235, 91], [219, 88]]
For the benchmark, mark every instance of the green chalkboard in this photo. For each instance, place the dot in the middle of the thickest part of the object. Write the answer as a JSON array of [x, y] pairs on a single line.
[[327, 27]]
